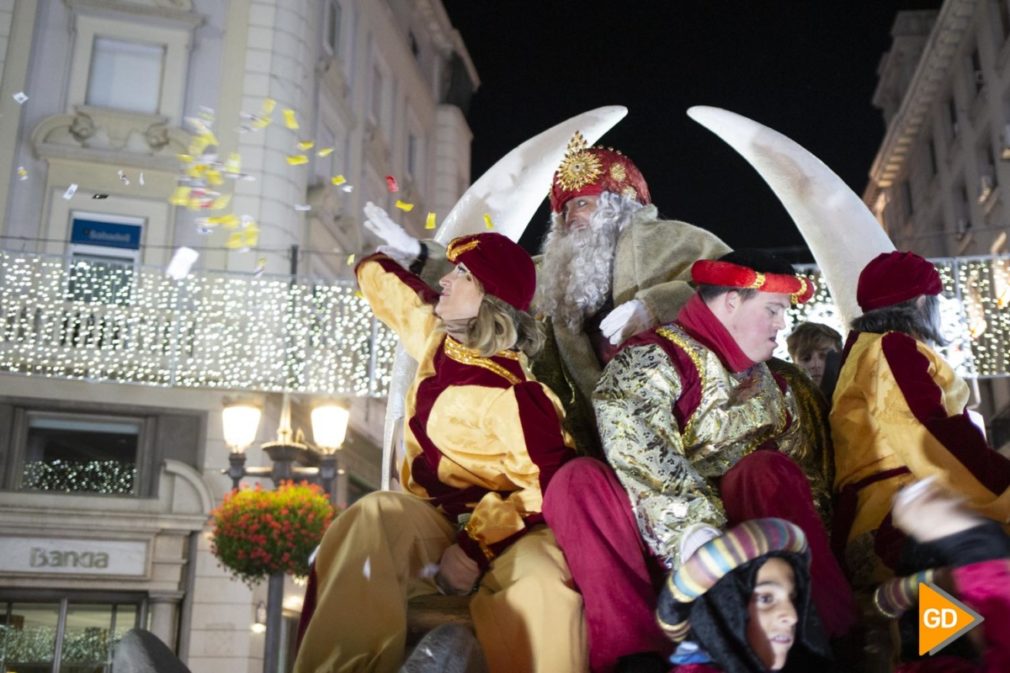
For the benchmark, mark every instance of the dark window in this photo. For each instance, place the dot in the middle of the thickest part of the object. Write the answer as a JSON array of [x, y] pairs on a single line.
[[81, 455], [976, 70], [906, 198], [931, 149], [952, 116], [415, 48], [333, 25]]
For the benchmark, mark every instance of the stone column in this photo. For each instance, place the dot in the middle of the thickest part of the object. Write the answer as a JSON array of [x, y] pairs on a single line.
[[164, 617]]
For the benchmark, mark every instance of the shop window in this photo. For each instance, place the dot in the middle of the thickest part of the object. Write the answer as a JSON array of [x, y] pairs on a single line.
[[125, 75], [65, 635]]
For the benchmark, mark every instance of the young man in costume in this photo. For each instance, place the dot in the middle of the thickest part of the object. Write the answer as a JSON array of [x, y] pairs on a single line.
[[483, 440], [741, 604], [809, 345], [899, 415], [699, 433], [610, 268]]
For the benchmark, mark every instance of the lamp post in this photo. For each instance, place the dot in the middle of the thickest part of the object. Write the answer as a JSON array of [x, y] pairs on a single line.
[[291, 456]]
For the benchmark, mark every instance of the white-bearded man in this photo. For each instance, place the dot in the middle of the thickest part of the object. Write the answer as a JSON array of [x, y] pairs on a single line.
[[610, 269]]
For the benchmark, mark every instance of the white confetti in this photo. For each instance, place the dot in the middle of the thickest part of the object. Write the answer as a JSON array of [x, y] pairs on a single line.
[[21, 97], [71, 190], [302, 207], [140, 178], [348, 188], [122, 177], [182, 262], [366, 570], [204, 231], [22, 173]]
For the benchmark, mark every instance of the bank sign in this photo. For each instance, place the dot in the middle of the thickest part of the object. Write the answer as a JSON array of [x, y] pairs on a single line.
[[64, 556], [105, 234]]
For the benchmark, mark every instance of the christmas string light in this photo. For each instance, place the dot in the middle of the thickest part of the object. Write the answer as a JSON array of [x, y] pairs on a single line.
[[208, 330]]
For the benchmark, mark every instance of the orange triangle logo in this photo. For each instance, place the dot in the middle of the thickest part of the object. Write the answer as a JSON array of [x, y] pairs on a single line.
[[942, 618]]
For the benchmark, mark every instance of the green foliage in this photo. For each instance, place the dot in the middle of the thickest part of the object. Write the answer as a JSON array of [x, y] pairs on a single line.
[[257, 532]]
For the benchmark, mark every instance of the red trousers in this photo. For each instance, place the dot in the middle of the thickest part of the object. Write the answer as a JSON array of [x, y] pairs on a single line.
[[591, 516]]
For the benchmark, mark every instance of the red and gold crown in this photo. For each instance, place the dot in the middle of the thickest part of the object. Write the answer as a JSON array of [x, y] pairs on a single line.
[[588, 171], [727, 274]]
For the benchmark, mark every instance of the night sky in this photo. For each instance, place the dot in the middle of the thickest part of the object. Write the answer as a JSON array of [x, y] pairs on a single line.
[[807, 68]]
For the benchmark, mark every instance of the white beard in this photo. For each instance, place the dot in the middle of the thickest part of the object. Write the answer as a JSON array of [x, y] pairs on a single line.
[[576, 274]]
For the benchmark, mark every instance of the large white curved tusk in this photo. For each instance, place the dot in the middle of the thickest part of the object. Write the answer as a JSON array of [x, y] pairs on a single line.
[[840, 230]]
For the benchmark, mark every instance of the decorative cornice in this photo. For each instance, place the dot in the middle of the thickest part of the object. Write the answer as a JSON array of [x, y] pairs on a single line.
[[928, 82], [179, 12], [110, 137]]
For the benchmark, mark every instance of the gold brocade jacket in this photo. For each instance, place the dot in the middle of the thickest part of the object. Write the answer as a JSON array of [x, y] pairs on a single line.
[[669, 459]]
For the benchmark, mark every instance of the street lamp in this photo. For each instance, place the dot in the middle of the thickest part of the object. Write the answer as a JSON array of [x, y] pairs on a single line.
[[319, 463]]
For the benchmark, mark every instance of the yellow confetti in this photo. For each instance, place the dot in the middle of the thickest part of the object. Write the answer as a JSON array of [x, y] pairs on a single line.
[[233, 164], [306, 145], [357, 293], [350, 259], [290, 120], [404, 206], [297, 159], [221, 202], [180, 197], [487, 221], [244, 238], [324, 152], [229, 221], [338, 180], [261, 122], [22, 173], [214, 177], [268, 105], [185, 158], [429, 222]]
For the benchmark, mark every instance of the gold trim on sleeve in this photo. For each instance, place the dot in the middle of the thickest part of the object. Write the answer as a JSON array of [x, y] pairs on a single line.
[[468, 356]]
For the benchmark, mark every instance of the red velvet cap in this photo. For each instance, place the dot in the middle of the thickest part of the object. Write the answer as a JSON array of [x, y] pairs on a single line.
[[893, 277], [501, 265], [589, 171], [728, 274]]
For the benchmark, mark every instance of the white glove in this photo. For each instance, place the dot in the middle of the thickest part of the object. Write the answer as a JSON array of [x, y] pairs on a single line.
[[399, 245], [626, 320]]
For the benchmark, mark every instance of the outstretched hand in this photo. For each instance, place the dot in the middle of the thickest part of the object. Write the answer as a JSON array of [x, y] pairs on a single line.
[[399, 245], [927, 513], [626, 321]]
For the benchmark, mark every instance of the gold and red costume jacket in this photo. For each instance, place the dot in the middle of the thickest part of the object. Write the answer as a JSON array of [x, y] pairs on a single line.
[[674, 419], [482, 437], [899, 415]]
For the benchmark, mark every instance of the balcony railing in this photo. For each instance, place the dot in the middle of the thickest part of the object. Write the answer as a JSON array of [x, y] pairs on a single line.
[[209, 330]]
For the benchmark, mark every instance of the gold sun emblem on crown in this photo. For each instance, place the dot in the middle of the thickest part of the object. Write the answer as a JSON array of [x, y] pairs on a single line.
[[580, 167]]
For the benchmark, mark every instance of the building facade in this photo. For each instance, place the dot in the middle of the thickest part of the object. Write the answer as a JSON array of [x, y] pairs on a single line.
[[940, 183], [253, 132]]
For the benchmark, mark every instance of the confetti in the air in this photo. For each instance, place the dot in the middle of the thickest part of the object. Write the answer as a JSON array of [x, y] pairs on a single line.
[[306, 145], [302, 207], [366, 570], [180, 197], [122, 177], [338, 180], [204, 231], [99, 197], [350, 259], [182, 262], [429, 222], [487, 221], [290, 120], [21, 97], [140, 178], [347, 188], [391, 184], [261, 265], [71, 190], [324, 152], [404, 206], [22, 173], [297, 159]]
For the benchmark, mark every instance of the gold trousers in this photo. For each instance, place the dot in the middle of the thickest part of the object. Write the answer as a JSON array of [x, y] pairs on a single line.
[[527, 614]]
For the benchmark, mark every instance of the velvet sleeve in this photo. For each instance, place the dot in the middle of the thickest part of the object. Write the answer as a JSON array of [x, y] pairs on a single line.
[[952, 448], [399, 299], [634, 403]]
